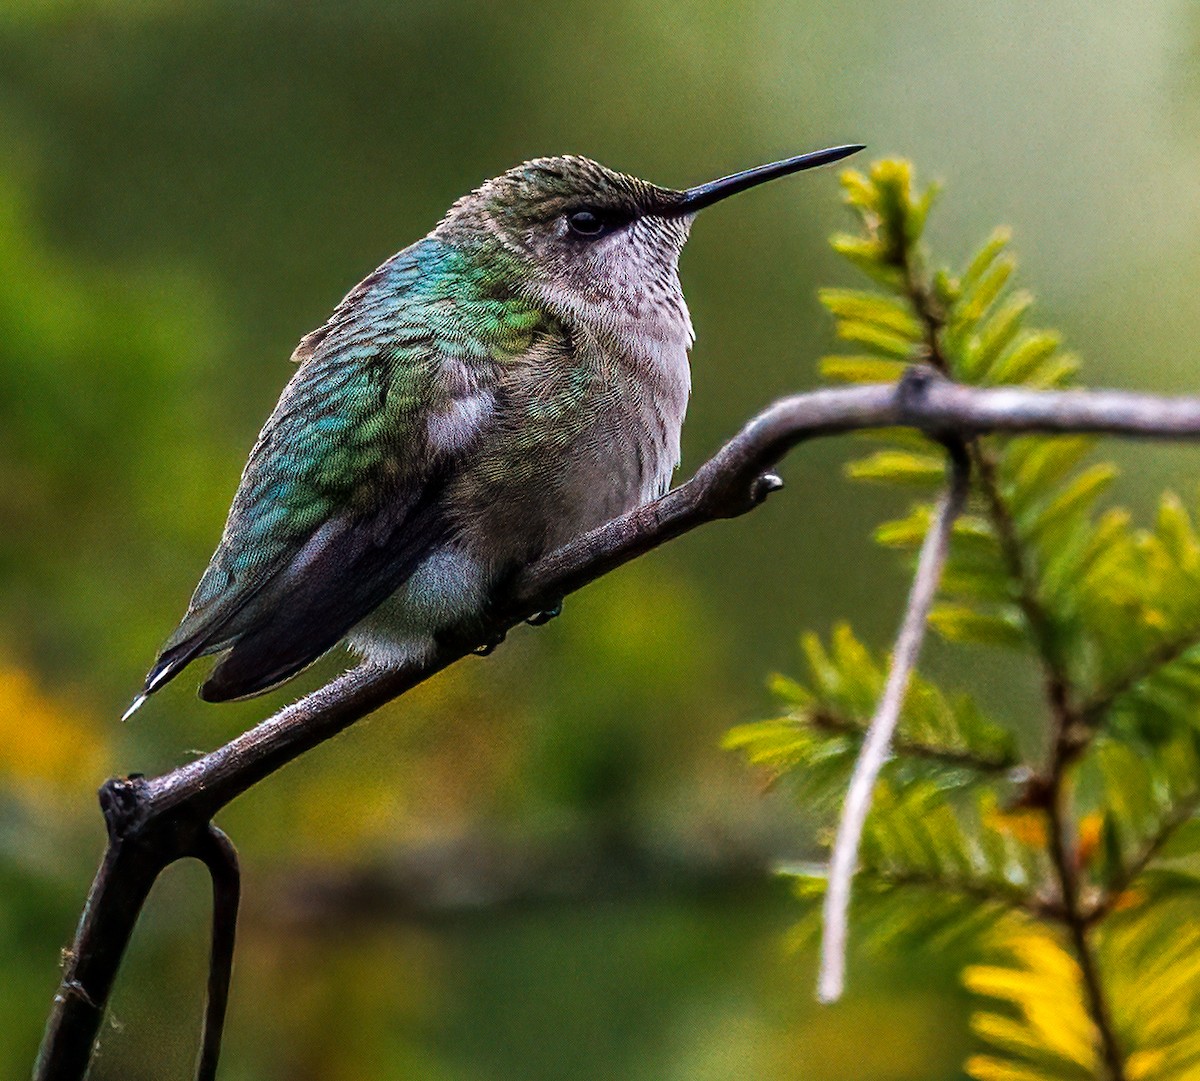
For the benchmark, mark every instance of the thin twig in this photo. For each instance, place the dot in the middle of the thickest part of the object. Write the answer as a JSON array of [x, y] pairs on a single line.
[[955, 757], [1037, 619], [1167, 653], [876, 744], [217, 853], [1180, 814], [1062, 856], [154, 822], [1001, 894]]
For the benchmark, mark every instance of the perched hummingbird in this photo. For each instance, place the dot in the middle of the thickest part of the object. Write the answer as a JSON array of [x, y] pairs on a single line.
[[514, 379]]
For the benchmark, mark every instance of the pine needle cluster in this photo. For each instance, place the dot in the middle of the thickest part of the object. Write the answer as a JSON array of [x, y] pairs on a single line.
[[1064, 857]]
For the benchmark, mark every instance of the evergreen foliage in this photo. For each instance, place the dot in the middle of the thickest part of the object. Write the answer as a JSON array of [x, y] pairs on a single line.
[[1068, 867]]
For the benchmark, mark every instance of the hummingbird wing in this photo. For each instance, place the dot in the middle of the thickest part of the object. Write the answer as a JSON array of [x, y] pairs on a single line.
[[340, 498]]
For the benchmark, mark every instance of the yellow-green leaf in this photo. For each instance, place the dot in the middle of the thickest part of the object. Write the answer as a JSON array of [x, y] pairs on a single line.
[[958, 623], [862, 369], [899, 467], [887, 312]]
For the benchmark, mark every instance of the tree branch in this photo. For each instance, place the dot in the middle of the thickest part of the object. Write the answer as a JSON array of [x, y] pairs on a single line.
[[154, 822], [877, 743], [220, 857]]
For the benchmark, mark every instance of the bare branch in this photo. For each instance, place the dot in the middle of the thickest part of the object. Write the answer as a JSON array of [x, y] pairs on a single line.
[[154, 822], [217, 853], [726, 486], [876, 746]]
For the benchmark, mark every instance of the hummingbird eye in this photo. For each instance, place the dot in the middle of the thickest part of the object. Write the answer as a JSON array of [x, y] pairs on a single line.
[[586, 223]]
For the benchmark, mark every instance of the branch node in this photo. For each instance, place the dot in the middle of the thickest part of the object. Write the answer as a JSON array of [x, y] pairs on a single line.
[[74, 987], [1037, 793], [123, 802], [763, 486], [914, 382]]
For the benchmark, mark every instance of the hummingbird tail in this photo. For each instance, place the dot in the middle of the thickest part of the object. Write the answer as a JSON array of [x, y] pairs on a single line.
[[169, 664], [134, 706], [270, 654], [232, 683]]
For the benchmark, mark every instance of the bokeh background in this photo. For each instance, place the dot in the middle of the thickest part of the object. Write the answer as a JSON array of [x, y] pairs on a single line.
[[540, 865]]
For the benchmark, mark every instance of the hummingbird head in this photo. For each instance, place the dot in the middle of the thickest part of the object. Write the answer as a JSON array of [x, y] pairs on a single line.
[[583, 239], [592, 243]]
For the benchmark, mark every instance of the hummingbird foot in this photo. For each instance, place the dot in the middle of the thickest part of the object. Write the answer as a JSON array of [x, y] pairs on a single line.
[[489, 647], [538, 619]]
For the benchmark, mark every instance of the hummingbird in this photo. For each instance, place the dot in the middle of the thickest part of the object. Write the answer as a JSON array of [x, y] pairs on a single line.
[[514, 379]]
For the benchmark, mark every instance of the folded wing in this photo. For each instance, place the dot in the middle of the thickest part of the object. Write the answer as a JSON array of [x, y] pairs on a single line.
[[340, 498]]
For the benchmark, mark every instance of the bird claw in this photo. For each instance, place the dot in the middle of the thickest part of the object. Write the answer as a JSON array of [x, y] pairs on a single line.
[[490, 645], [544, 616]]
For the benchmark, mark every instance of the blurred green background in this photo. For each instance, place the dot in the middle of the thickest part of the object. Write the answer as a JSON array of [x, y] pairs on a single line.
[[540, 865]]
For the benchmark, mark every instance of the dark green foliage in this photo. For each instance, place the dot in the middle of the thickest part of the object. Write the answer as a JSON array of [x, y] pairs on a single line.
[[1082, 962]]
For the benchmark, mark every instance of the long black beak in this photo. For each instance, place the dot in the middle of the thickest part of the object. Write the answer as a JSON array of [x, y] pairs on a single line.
[[714, 191]]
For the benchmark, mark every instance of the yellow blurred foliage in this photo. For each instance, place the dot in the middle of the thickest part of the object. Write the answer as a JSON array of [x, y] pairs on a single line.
[[1045, 990], [44, 741], [1037, 1027], [1024, 824], [832, 1047], [1091, 830]]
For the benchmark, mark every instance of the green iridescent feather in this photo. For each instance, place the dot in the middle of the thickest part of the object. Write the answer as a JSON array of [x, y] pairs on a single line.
[[349, 435]]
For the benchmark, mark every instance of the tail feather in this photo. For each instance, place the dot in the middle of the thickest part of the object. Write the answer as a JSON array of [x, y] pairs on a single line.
[[134, 707], [339, 576], [174, 660], [248, 669], [170, 663]]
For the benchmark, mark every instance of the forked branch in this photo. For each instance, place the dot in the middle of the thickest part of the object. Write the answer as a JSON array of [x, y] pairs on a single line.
[[153, 822]]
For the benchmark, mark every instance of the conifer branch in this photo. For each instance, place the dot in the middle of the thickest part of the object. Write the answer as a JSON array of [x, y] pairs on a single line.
[[1000, 894], [1182, 812], [825, 721], [1095, 709], [1071, 734], [932, 319], [154, 822]]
